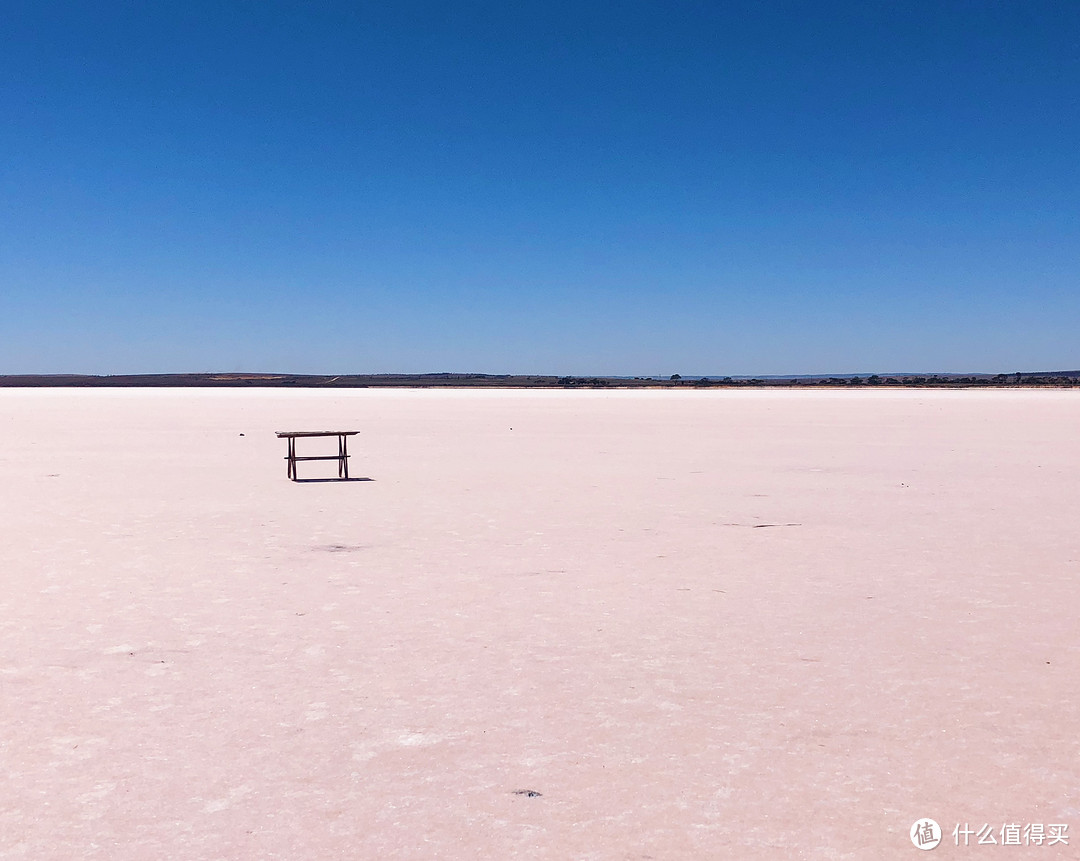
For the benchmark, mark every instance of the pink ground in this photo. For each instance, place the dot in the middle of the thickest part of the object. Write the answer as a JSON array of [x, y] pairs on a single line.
[[730, 625]]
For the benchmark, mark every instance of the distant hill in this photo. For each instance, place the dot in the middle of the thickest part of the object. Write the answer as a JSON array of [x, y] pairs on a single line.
[[1040, 379]]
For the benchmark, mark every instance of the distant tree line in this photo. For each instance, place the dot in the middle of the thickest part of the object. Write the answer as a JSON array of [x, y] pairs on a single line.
[[1055, 379]]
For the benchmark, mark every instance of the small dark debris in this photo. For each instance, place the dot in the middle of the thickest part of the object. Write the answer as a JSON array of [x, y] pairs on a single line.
[[338, 548], [528, 793]]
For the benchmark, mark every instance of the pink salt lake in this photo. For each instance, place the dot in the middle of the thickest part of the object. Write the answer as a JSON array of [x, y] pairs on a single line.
[[553, 625]]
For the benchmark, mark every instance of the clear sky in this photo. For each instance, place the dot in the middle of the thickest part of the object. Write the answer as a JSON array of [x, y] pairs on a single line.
[[539, 186]]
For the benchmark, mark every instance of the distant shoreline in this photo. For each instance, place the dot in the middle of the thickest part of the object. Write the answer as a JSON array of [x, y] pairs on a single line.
[[1039, 379]]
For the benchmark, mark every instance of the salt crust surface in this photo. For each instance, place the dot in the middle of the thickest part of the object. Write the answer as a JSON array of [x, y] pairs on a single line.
[[699, 624]]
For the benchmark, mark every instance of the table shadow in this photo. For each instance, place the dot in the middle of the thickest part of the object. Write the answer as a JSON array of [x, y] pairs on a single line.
[[324, 480]]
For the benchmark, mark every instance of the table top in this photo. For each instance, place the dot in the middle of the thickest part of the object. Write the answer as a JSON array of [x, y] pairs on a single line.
[[316, 433]]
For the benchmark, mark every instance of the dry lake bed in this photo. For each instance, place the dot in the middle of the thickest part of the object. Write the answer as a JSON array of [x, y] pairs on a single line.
[[543, 625]]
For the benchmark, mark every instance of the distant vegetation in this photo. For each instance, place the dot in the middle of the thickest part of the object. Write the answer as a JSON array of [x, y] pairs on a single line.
[[1041, 379]]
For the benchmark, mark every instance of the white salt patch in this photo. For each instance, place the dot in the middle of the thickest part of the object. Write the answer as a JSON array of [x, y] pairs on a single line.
[[229, 800], [118, 650]]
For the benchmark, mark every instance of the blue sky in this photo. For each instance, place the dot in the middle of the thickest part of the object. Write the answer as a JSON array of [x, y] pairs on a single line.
[[539, 187]]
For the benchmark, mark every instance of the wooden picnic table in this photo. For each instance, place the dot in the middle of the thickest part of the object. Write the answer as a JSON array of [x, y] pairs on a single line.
[[342, 457]]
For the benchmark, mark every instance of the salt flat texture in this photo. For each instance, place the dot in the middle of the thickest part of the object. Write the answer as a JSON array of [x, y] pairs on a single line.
[[745, 625]]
